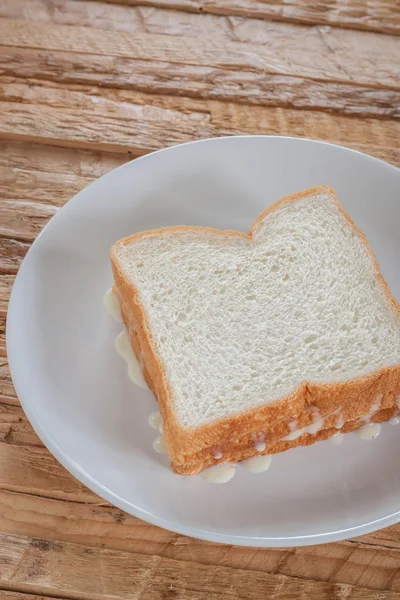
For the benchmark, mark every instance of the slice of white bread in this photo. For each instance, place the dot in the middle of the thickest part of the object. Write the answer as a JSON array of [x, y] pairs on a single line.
[[246, 338]]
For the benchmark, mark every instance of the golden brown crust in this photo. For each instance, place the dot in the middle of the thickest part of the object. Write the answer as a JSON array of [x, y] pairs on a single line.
[[190, 450], [236, 455]]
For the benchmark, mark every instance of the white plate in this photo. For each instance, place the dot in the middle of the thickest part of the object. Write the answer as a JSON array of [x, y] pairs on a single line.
[[74, 387]]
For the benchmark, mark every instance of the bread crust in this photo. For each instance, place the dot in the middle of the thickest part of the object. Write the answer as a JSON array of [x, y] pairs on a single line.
[[192, 449]]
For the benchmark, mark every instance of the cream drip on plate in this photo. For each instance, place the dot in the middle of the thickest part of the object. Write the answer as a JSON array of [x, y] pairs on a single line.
[[124, 348], [219, 473], [113, 306], [257, 464], [155, 420], [394, 421], [159, 445], [336, 439], [369, 432]]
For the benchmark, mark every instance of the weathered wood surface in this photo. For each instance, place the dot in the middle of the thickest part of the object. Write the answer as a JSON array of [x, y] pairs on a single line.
[[52, 568], [376, 15], [87, 85]]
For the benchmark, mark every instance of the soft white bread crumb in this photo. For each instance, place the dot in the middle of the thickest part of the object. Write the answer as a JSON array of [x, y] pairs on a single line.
[[239, 322]]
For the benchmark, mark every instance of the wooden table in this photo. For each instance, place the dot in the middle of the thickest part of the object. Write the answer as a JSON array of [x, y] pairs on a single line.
[[86, 86]]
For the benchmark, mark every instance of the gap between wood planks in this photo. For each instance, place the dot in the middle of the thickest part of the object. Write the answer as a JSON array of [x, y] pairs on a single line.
[[95, 501]]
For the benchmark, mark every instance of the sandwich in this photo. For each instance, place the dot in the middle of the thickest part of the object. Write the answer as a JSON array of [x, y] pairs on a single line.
[[256, 343]]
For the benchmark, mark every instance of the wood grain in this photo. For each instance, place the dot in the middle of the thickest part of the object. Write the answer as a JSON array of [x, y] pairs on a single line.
[[216, 79], [163, 17], [40, 174], [7, 392], [47, 567], [32, 469], [15, 428], [375, 15], [102, 526], [5, 289], [122, 121], [39, 160], [343, 56], [3, 352], [24, 225], [12, 253], [193, 81], [54, 114], [7, 595]]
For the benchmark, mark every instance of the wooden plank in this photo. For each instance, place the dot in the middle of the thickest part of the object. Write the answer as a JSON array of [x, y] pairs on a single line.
[[37, 173], [42, 186], [33, 470], [194, 81], [15, 428], [40, 566], [6, 282], [39, 160], [389, 537], [107, 527], [344, 56], [374, 15], [138, 17], [24, 220], [3, 353], [159, 76], [45, 182], [12, 253], [120, 120], [8, 595], [9, 400], [55, 115], [7, 392]]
